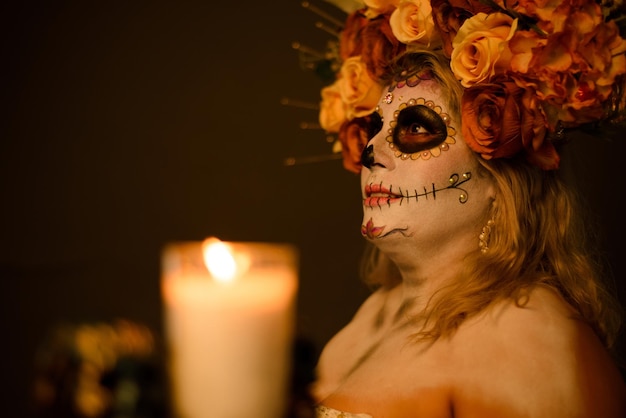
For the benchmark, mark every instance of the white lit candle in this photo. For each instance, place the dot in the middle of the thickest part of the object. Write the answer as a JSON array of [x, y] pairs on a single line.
[[229, 314]]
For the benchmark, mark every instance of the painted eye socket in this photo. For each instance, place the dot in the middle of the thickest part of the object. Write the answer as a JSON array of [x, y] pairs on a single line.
[[418, 128]]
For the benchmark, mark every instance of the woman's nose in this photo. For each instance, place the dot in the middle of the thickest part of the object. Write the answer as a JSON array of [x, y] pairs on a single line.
[[377, 154], [367, 156]]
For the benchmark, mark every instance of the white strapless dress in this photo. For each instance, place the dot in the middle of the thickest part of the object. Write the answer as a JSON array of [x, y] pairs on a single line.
[[322, 411]]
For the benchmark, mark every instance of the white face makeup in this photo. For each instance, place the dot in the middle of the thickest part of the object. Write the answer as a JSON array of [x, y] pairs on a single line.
[[420, 181]]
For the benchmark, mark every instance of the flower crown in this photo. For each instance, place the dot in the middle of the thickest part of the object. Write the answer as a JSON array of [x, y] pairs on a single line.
[[536, 67]]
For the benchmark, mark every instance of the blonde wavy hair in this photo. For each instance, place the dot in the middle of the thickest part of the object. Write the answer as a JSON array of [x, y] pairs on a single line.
[[540, 238]]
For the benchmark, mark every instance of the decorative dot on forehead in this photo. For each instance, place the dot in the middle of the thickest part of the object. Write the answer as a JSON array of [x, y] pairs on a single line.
[[388, 98]]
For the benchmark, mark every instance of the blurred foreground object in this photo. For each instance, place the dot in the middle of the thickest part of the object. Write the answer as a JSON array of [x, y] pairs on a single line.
[[105, 369], [229, 322]]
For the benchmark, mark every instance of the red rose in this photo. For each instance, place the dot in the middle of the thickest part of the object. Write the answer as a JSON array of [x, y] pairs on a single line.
[[354, 135], [500, 119], [350, 39], [379, 46]]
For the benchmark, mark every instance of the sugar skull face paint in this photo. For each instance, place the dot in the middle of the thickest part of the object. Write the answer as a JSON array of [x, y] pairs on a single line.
[[419, 178]]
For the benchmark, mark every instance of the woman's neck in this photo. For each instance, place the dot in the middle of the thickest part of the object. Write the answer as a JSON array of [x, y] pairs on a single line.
[[425, 269]]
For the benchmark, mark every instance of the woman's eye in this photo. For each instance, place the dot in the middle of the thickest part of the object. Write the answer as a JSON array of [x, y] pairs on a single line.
[[416, 128], [419, 128]]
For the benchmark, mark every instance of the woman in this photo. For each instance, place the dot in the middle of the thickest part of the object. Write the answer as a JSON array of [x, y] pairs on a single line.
[[487, 302]]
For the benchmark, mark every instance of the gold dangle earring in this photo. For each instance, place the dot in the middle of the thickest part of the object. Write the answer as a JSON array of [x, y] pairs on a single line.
[[483, 238]]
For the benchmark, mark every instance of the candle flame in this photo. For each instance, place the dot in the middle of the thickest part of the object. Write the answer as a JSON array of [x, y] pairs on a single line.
[[219, 260]]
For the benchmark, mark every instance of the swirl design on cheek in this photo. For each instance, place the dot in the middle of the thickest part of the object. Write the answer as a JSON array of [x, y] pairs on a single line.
[[378, 196]]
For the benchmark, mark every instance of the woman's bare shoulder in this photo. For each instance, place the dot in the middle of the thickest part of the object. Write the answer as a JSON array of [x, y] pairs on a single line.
[[368, 314], [340, 352], [542, 317], [538, 350]]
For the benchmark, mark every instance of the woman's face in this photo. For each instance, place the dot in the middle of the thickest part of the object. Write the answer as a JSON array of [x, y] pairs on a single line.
[[420, 181]]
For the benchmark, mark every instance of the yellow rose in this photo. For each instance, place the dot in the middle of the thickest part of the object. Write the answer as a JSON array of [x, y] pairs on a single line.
[[332, 109], [379, 7], [412, 23], [359, 91], [481, 47]]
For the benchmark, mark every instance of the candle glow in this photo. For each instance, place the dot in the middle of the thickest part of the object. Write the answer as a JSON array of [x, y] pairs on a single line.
[[219, 260], [229, 311]]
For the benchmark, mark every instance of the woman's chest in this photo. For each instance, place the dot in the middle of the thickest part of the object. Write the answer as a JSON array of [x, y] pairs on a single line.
[[388, 379]]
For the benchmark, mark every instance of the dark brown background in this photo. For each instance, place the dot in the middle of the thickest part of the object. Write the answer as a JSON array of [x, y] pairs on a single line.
[[126, 125]]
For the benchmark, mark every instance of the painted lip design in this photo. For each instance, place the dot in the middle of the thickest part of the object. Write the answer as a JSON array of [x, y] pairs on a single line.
[[377, 195]]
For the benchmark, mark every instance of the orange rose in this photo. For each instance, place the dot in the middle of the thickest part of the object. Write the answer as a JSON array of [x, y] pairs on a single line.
[[549, 13], [480, 47], [553, 89], [522, 45], [539, 150], [359, 91], [573, 68], [500, 119], [412, 23], [603, 52], [581, 102]]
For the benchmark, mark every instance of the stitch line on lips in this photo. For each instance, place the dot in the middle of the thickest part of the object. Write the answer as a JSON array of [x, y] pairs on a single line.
[[376, 194]]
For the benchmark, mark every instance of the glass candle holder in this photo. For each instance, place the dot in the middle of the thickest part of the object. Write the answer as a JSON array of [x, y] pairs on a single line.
[[229, 311]]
